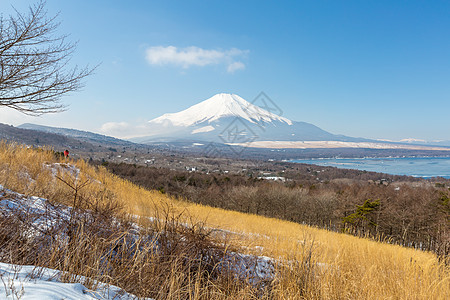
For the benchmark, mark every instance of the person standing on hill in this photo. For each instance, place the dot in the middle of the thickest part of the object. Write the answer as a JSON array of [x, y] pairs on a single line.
[[66, 153]]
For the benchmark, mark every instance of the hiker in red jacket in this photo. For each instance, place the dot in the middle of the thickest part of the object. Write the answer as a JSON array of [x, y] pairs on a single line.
[[66, 153]]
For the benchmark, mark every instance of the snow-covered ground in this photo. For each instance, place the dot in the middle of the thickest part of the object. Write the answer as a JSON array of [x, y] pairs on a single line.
[[45, 215], [41, 216], [32, 283]]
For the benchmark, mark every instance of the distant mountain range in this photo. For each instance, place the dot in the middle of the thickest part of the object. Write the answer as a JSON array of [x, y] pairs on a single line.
[[85, 144], [442, 143], [230, 119], [225, 120]]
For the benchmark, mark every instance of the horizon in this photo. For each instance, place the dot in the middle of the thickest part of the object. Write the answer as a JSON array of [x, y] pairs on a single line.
[[376, 69]]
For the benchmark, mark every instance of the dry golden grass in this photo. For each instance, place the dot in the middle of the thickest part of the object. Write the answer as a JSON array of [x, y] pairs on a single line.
[[342, 266]]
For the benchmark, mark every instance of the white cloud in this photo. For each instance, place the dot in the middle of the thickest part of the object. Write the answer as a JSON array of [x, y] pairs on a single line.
[[114, 126], [125, 130], [195, 56], [235, 66], [121, 129]]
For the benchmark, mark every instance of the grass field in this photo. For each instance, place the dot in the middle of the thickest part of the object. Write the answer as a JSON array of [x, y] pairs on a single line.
[[321, 264]]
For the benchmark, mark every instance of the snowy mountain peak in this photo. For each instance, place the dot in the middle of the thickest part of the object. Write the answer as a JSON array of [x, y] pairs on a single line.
[[220, 106]]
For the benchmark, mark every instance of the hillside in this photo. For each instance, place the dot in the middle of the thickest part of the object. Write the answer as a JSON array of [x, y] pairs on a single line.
[[81, 144], [317, 196], [81, 135], [307, 262], [39, 138]]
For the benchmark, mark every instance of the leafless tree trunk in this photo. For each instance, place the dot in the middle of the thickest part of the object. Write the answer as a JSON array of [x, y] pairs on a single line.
[[34, 71]]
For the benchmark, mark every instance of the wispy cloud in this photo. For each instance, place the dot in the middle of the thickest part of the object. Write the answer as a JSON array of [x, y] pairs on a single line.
[[195, 56], [124, 129], [237, 65], [116, 127]]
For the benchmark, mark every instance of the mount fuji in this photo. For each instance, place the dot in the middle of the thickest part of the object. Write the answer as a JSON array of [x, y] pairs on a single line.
[[228, 118], [221, 106]]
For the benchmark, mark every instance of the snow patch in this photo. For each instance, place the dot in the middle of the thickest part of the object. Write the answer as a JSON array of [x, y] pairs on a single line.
[[62, 168], [45, 214], [275, 178], [255, 269], [412, 140], [19, 283], [203, 129]]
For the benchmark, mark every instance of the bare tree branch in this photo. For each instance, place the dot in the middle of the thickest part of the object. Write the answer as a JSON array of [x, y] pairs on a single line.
[[34, 72]]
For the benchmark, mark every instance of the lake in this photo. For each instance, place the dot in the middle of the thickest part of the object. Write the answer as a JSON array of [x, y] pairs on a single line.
[[425, 167]]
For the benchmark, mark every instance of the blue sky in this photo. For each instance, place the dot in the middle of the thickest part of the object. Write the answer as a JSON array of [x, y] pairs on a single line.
[[375, 69]]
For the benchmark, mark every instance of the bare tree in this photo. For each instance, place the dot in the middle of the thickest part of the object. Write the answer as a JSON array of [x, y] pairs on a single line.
[[34, 63]]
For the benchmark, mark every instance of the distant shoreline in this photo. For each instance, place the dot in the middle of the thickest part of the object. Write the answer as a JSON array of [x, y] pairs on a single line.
[[419, 167], [369, 157], [334, 144]]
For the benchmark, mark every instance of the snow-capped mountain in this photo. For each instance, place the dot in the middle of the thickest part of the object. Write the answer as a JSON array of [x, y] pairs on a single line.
[[228, 118], [217, 107]]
